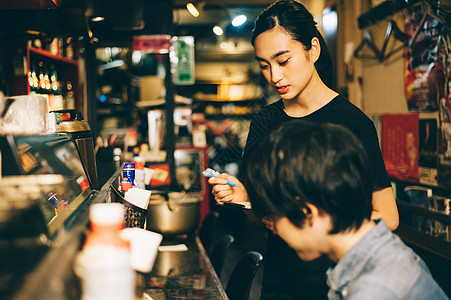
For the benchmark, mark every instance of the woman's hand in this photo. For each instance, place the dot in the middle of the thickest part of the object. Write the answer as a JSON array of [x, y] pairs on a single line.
[[226, 193]]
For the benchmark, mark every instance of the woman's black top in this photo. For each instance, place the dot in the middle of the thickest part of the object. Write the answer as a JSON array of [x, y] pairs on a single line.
[[286, 276]]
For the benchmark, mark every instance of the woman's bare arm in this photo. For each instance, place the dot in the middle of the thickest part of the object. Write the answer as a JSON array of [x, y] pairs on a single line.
[[384, 206]]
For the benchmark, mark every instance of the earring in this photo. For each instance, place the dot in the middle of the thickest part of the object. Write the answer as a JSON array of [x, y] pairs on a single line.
[[309, 216]]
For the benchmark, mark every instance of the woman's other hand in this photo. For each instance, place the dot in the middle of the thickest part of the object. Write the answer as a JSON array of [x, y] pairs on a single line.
[[224, 192]]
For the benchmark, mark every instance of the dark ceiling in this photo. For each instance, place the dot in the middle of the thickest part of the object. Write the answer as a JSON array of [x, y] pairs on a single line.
[[123, 19]]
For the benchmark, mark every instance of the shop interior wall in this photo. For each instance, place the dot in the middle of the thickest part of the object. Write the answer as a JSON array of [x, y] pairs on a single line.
[[376, 87], [224, 71]]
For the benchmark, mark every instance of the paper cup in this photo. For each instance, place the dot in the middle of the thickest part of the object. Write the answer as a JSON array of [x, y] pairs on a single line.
[[138, 197], [144, 247]]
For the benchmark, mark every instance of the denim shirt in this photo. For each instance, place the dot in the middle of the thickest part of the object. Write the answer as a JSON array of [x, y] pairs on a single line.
[[381, 266]]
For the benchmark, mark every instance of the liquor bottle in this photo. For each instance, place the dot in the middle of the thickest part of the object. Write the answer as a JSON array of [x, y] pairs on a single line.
[[70, 100], [54, 47], [54, 80], [57, 97], [31, 72], [69, 48], [61, 50], [37, 43], [48, 86], [41, 82], [34, 85]]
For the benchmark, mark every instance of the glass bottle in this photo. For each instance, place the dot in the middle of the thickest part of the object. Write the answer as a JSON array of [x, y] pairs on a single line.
[[41, 82], [70, 100]]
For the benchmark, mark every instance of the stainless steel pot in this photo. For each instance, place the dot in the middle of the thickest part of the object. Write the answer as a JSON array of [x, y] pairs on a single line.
[[178, 214]]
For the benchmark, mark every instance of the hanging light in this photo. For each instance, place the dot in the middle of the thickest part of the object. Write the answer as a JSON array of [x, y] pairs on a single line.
[[218, 30], [97, 19], [195, 7], [239, 20]]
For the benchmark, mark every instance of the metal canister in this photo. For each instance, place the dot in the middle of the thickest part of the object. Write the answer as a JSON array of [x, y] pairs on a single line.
[[128, 171]]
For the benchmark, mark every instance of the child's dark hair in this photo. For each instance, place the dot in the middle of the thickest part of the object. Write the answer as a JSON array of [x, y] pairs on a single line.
[[296, 20], [323, 164]]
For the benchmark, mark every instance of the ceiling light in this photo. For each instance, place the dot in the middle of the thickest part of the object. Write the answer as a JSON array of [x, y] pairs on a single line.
[[239, 20], [218, 30], [97, 19], [195, 7]]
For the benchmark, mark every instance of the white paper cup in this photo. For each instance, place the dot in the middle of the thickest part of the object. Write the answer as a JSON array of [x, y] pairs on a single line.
[[138, 197], [144, 247]]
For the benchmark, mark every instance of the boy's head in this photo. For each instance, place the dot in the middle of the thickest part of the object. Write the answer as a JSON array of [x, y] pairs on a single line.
[[303, 166]]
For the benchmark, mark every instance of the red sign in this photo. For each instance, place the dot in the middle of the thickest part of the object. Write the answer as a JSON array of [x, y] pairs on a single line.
[[400, 144], [152, 43]]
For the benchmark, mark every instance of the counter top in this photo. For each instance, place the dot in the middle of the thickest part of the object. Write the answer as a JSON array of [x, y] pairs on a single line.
[[183, 274], [176, 274]]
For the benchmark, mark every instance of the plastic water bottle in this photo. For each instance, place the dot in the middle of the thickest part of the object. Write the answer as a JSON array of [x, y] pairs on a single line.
[[104, 264]]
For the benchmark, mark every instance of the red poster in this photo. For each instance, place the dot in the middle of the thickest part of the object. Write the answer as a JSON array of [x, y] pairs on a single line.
[[425, 74], [400, 143], [152, 43]]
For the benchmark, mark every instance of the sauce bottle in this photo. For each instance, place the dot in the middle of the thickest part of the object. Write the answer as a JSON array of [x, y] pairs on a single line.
[[104, 264]]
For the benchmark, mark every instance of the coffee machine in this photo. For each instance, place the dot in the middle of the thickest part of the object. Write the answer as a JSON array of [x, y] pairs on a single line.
[[82, 136]]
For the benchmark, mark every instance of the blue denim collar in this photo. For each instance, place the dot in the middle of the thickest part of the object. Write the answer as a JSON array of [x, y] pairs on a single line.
[[354, 261]]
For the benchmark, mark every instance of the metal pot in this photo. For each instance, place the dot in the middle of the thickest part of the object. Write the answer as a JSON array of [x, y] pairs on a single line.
[[178, 214]]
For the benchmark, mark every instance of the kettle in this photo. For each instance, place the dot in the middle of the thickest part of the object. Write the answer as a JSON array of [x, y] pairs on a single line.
[[82, 136]]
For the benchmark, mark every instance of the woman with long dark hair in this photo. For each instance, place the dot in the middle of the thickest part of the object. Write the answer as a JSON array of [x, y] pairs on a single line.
[[294, 60]]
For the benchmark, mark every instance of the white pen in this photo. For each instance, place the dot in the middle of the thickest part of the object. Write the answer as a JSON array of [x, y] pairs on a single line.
[[212, 173]]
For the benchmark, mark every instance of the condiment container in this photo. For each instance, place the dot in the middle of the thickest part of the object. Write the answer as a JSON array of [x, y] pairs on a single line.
[[104, 264]]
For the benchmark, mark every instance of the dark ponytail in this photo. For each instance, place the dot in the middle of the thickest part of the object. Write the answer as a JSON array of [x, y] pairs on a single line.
[[299, 23], [324, 64]]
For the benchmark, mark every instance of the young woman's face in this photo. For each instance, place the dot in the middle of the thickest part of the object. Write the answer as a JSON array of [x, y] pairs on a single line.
[[284, 62]]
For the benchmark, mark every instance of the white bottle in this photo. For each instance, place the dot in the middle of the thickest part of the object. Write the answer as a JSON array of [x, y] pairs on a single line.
[[139, 172], [104, 264]]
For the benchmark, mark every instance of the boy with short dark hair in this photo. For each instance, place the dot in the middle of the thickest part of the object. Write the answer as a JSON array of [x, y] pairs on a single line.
[[314, 182]]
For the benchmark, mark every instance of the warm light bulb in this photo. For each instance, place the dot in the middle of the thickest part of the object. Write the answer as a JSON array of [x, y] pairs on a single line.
[[97, 19], [192, 9], [218, 30], [239, 20]]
